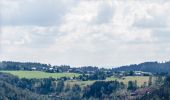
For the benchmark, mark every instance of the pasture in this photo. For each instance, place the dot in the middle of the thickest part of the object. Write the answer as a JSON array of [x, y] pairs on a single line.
[[40, 74], [140, 80]]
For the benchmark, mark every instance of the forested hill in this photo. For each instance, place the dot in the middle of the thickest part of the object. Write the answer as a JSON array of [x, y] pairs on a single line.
[[153, 67], [10, 65]]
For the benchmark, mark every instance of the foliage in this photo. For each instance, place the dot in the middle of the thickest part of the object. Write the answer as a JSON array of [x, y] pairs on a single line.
[[100, 88], [132, 85], [8, 91], [160, 93], [153, 67]]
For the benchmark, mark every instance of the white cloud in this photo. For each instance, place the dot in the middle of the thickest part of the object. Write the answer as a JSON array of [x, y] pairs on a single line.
[[96, 32], [34, 12]]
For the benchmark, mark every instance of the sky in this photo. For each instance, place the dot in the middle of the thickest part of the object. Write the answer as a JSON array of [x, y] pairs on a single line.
[[85, 32]]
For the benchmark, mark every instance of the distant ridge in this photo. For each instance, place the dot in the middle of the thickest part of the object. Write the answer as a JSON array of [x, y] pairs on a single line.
[[154, 67]]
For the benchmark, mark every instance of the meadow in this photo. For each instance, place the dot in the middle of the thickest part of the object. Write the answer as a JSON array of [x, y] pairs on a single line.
[[40, 74], [140, 80]]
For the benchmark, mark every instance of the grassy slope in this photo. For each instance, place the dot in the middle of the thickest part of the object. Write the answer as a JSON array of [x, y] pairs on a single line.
[[140, 80], [39, 74], [81, 83]]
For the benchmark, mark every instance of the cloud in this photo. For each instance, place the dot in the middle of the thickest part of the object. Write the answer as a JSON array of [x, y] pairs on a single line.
[[162, 35], [157, 16], [106, 9], [85, 32], [34, 12], [31, 36], [157, 22]]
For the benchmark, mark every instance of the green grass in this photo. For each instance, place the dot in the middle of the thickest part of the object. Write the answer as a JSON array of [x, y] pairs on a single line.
[[80, 83], [140, 79], [40, 74]]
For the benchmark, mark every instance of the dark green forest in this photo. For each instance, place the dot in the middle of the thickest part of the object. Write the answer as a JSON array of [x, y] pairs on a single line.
[[153, 67]]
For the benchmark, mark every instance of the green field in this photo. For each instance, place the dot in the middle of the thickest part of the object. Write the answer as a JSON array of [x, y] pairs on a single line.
[[80, 83], [40, 74], [140, 79]]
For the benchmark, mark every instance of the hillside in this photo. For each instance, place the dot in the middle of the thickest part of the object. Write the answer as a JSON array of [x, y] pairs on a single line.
[[10, 91], [153, 67], [40, 74]]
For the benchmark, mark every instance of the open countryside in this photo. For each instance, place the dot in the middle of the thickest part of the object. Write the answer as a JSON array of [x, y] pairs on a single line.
[[46, 82], [40, 74]]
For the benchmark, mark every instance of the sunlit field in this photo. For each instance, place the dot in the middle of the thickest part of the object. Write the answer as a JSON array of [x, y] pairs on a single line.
[[40, 74]]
